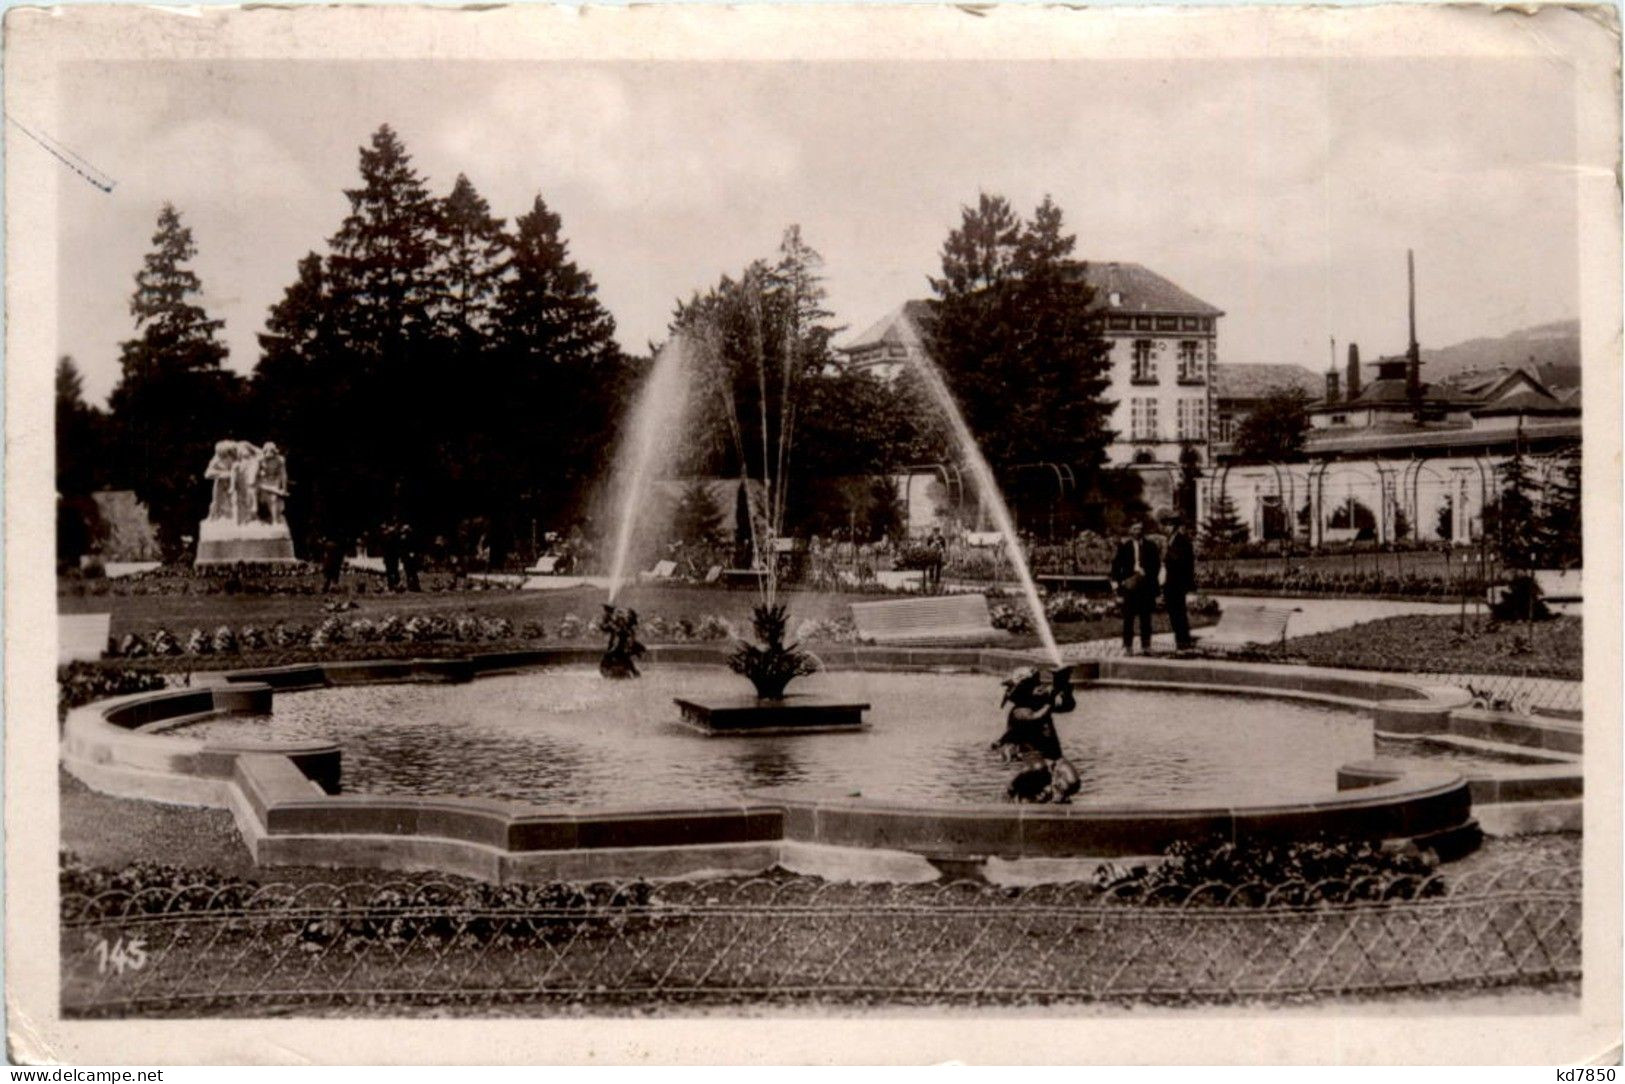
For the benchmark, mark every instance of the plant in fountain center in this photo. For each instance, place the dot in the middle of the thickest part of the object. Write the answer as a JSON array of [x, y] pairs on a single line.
[[770, 663]]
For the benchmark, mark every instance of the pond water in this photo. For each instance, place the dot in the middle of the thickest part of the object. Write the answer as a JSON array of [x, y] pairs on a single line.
[[569, 738]]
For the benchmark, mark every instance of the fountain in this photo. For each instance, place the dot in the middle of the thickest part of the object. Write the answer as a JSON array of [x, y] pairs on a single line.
[[653, 430], [987, 489], [620, 655]]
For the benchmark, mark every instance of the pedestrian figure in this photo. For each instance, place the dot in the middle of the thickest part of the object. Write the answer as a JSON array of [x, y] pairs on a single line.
[[1135, 571], [937, 544], [332, 564], [411, 560], [389, 541], [1178, 580]]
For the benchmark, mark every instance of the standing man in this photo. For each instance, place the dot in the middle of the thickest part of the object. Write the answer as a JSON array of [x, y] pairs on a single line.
[[1178, 580], [1134, 574]]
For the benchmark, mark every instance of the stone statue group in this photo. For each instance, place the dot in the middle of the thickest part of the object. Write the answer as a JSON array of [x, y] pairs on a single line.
[[250, 484]]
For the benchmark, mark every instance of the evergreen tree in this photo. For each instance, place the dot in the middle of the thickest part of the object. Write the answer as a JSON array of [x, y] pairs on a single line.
[[385, 253], [311, 396], [173, 399], [471, 263], [559, 376], [1445, 525], [1558, 527], [1223, 527], [1516, 534], [1275, 430], [81, 455], [1018, 339], [697, 519], [80, 465]]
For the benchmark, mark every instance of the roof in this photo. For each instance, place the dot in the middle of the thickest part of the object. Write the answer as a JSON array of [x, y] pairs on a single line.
[[1138, 290], [1527, 401], [900, 327], [1398, 438], [1254, 380]]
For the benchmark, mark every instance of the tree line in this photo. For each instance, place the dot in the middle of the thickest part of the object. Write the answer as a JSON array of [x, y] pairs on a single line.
[[435, 364]]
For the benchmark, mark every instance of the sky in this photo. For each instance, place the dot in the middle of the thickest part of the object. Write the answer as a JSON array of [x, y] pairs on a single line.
[[1286, 193]]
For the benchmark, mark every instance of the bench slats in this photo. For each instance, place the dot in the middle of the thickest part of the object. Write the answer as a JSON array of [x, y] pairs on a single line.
[[946, 617]]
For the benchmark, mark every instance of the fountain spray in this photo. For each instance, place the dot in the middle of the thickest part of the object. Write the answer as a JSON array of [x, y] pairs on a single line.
[[988, 488], [652, 434]]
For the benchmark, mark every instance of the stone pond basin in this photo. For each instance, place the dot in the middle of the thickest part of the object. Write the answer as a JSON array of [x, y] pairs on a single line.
[[288, 803]]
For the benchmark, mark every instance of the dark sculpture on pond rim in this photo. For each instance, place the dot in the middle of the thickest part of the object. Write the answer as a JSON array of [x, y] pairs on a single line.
[[1034, 696], [620, 655]]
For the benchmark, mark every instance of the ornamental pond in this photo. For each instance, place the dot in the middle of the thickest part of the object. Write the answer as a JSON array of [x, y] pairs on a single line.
[[565, 738]]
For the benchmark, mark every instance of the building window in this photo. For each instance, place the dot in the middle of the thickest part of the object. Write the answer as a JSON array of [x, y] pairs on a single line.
[[1143, 419], [1340, 419], [1145, 363], [1190, 362], [1191, 420]]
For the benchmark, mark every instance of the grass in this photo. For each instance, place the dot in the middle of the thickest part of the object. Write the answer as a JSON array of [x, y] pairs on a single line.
[[1445, 644]]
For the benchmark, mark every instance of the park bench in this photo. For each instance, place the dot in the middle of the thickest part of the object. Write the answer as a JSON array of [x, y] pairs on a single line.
[[1248, 624], [81, 636], [661, 572], [907, 580], [1087, 583], [1558, 585], [925, 620], [546, 566], [733, 578]]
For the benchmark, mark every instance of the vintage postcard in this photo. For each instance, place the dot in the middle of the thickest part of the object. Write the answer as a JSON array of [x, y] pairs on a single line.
[[909, 525]]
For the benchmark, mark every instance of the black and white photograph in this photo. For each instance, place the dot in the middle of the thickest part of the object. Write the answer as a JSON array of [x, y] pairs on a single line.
[[916, 524]]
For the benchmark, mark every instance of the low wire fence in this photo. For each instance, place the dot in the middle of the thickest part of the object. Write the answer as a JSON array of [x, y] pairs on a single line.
[[202, 950]]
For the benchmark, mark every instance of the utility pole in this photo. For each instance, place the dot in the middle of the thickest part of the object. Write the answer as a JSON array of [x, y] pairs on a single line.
[[1413, 355]]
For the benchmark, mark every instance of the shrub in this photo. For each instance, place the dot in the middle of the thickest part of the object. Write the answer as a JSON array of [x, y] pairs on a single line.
[[1275, 874], [1011, 619], [79, 683]]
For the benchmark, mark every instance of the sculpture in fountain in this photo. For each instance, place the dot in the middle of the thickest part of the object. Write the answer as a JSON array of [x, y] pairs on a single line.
[[1035, 695], [248, 486], [770, 664], [620, 656]]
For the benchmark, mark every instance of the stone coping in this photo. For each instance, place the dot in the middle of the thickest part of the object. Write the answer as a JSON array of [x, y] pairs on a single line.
[[285, 795]]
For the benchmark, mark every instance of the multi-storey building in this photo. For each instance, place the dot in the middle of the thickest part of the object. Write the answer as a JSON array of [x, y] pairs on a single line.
[[1164, 345]]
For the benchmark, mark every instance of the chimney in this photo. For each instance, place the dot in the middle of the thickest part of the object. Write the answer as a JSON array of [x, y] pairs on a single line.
[[1354, 371], [1413, 371], [1331, 374]]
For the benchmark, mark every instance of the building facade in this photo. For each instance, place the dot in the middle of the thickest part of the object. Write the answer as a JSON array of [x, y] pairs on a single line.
[[1164, 345], [1400, 459]]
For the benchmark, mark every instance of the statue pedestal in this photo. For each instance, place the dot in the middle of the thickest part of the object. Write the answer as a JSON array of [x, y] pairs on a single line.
[[222, 542]]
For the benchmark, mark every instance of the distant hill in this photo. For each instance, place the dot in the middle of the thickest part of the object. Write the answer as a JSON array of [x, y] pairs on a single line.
[[1553, 348]]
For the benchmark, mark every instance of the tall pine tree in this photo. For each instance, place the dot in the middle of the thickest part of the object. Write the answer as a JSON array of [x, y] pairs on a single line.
[[561, 376], [1019, 340], [174, 399]]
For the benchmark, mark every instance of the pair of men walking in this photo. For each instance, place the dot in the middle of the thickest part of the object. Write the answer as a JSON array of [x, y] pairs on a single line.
[[1139, 566]]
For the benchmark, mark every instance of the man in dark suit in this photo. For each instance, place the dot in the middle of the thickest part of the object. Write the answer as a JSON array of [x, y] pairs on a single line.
[[1178, 580], [1135, 568]]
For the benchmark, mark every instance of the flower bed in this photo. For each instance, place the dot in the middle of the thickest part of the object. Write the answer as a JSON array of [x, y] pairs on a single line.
[[299, 578], [1302, 581], [1440, 644]]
